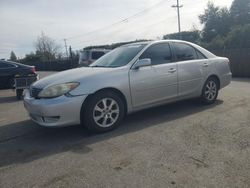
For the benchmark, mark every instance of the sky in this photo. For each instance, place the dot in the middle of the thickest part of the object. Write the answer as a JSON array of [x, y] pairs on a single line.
[[92, 22]]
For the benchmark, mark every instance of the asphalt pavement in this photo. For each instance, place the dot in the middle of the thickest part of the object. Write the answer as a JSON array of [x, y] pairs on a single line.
[[184, 144]]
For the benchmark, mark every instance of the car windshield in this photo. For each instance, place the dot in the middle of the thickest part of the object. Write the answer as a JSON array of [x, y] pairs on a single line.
[[119, 57]]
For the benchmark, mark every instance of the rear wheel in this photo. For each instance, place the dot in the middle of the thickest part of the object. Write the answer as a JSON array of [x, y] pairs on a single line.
[[210, 91], [103, 112], [19, 94]]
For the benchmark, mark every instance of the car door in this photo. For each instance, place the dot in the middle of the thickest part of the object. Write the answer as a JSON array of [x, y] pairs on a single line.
[[6, 74], [192, 69], [155, 83]]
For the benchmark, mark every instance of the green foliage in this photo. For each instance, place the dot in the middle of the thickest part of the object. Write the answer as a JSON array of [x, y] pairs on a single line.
[[191, 36], [30, 58], [216, 21], [225, 28], [13, 56], [217, 43], [240, 12], [239, 37]]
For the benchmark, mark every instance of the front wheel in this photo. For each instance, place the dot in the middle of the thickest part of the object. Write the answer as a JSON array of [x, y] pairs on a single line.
[[210, 91], [103, 112]]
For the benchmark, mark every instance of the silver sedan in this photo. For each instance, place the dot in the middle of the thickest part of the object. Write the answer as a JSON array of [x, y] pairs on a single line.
[[129, 78]]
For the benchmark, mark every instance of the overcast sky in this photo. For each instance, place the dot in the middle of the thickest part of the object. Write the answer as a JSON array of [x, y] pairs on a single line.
[[23, 20]]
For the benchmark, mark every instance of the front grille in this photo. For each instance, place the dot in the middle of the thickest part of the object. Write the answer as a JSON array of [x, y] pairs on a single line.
[[34, 92]]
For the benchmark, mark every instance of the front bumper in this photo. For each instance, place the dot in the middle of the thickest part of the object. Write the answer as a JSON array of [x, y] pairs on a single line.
[[60, 111]]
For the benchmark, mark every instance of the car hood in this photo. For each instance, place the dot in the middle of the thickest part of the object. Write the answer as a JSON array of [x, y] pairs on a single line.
[[73, 75]]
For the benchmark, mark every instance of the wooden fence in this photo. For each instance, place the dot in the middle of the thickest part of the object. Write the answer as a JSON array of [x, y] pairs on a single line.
[[239, 60]]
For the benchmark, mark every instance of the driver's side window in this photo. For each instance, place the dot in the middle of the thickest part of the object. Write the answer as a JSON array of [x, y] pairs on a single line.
[[158, 53]]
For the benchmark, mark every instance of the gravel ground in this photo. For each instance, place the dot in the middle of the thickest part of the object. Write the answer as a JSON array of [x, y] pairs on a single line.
[[183, 144]]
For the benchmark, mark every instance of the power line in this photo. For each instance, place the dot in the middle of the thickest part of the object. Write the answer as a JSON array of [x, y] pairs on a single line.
[[121, 28], [135, 15], [114, 33], [126, 20], [133, 32], [119, 22]]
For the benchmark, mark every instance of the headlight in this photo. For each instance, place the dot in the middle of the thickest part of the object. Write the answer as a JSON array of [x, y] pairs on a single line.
[[57, 90]]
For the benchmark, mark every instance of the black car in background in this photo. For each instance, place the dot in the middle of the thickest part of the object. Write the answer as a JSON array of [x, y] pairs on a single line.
[[10, 70]]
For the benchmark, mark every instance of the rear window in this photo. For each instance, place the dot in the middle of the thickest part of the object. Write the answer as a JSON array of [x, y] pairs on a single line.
[[97, 55], [158, 53], [184, 52]]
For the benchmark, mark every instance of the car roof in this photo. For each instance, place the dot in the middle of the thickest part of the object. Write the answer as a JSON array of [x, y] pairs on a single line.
[[157, 41], [8, 62], [199, 48], [14, 63]]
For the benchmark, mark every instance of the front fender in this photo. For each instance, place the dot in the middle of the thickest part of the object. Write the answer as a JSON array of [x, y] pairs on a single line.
[[118, 80]]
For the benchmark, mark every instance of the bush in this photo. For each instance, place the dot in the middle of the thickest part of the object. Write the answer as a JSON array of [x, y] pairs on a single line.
[[239, 37]]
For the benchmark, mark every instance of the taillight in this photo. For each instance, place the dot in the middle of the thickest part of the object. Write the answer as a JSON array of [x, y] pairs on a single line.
[[33, 70]]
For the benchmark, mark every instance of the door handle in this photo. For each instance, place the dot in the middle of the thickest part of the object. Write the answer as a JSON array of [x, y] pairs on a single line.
[[172, 70], [205, 65]]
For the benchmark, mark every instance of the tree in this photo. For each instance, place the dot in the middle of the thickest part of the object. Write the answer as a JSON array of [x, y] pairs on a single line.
[[191, 36], [13, 56], [240, 12], [46, 47], [239, 37], [29, 59], [216, 21]]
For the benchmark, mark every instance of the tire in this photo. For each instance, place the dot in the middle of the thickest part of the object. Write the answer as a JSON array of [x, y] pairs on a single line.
[[11, 83], [19, 94], [210, 91], [97, 118]]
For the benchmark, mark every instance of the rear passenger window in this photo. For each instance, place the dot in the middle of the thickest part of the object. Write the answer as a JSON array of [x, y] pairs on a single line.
[[184, 52], [158, 53]]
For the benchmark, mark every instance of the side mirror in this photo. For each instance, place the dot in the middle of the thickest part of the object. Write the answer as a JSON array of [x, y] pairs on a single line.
[[142, 63]]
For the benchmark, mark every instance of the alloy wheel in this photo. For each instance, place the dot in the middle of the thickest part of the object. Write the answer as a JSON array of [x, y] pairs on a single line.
[[106, 112], [210, 90]]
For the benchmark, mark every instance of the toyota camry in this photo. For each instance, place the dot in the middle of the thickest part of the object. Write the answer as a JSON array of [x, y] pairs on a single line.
[[127, 79]]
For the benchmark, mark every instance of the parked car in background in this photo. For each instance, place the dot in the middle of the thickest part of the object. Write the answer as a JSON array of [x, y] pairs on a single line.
[[16, 76], [129, 78], [8, 71], [87, 57]]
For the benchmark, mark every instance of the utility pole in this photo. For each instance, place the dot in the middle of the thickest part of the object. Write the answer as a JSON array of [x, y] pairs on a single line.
[[178, 6], [70, 52], [66, 48], [71, 57]]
